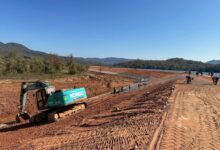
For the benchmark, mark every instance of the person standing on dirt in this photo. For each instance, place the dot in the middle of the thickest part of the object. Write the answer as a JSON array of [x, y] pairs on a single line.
[[129, 87], [122, 89], [188, 79], [114, 91], [215, 80]]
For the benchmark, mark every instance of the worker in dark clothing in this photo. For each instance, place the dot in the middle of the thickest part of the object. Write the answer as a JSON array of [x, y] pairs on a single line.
[[122, 89], [114, 91], [188, 79], [215, 80]]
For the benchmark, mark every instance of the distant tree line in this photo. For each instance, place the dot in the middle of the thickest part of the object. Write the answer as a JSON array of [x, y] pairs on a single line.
[[52, 64], [171, 64]]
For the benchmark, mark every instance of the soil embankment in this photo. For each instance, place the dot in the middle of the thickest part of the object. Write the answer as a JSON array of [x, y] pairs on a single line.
[[111, 121]]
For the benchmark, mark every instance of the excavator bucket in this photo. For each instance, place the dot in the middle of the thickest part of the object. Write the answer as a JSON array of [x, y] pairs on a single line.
[[22, 117]]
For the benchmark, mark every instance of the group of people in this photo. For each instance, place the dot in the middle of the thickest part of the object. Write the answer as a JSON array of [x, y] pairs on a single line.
[[214, 77], [199, 73], [123, 89], [115, 91]]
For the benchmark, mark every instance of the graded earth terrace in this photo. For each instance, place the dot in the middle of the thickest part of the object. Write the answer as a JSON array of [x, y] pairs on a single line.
[[155, 110]]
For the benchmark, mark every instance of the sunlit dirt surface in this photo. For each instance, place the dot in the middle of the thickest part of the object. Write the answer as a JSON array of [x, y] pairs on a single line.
[[112, 121], [193, 120]]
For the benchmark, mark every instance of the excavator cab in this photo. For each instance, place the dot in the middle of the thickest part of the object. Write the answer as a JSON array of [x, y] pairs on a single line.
[[41, 99], [44, 88]]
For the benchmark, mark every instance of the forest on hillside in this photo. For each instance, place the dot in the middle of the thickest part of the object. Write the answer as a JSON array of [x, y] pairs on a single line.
[[171, 64], [52, 64]]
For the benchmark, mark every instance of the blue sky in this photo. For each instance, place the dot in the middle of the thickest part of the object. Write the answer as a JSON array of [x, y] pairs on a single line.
[[145, 29]]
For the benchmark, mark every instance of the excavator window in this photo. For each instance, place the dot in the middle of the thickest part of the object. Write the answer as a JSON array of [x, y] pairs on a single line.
[[41, 98]]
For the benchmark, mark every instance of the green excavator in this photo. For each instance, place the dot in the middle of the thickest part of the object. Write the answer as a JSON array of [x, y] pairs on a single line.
[[52, 105]]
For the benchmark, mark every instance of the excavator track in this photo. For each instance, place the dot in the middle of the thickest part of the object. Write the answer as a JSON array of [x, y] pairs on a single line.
[[63, 113], [57, 114]]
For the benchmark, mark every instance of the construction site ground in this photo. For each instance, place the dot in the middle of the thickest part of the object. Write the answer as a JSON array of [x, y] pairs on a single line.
[[193, 120], [94, 83], [151, 115]]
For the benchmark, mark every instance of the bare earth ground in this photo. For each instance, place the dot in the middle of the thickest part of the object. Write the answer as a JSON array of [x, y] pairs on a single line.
[[193, 120], [95, 84], [127, 120], [156, 74], [122, 121], [101, 126]]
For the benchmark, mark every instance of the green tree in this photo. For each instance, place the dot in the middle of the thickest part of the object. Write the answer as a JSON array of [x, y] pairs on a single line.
[[37, 65], [73, 69], [2, 65], [71, 66], [53, 64], [11, 63]]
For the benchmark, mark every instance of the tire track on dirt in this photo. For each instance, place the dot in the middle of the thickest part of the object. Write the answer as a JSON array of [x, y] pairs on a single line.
[[212, 122], [100, 126], [193, 119]]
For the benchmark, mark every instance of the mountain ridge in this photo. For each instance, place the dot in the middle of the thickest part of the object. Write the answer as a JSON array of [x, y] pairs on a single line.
[[21, 50], [214, 62]]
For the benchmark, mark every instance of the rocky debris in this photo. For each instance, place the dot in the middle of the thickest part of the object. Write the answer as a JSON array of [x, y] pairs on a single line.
[[2, 125]]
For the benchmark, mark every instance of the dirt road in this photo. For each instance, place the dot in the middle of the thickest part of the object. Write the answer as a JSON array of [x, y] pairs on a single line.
[[193, 120]]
